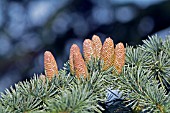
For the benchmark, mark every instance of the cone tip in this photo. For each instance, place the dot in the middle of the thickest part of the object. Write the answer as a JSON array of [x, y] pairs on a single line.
[[95, 36], [120, 44], [47, 52], [74, 46], [87, 41], [108, 40]]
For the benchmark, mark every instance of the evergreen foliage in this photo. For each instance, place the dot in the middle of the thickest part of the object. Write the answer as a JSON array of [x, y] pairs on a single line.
[[143, 86]]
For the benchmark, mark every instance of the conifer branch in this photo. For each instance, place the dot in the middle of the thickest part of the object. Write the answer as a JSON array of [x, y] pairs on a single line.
[[79, 87]]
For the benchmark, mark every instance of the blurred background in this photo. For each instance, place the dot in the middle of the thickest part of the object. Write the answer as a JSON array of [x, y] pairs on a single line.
[[29, 28]]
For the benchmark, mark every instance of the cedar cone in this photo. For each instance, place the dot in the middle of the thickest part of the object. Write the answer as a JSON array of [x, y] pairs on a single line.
[[119, 57], [97, 45], [72, 49], [77, 62], [88, 50], [107, 53], [50, 65]]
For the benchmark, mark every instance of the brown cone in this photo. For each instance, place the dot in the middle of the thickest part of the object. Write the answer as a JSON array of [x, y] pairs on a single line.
[[88, 50], [78, 62], [107, 53], [97, 45], [119, 57], [73, 48], [50, 65]]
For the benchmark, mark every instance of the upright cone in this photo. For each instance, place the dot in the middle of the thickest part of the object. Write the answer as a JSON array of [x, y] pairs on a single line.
[[73, 48], [88, 50], [50, 65], [97, 45], [107, 53], [119, 57], [77, 62]]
